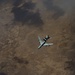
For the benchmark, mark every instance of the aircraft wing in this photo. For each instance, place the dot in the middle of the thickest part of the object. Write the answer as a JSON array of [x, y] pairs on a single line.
[[48, 44], [40, 40]]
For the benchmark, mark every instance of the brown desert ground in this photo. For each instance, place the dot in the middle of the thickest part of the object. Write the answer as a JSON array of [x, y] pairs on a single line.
[[21, 22]]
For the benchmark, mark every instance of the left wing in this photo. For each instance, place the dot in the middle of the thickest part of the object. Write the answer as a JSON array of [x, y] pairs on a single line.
[[48, 44], [40, 40]]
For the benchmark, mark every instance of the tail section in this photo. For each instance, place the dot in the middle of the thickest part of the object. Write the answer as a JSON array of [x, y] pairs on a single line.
[[46, 38]]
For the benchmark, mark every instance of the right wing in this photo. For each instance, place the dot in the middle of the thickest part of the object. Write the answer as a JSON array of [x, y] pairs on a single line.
[[40, 40], [48, 44]]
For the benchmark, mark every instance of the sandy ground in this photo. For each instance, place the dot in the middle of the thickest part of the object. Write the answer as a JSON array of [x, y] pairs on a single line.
[[21, 22]]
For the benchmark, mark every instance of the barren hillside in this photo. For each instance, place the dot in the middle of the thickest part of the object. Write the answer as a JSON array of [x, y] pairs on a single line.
[[21, 22]]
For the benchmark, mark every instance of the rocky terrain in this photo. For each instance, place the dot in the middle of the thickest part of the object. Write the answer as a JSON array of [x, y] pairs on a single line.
[[21, 21]]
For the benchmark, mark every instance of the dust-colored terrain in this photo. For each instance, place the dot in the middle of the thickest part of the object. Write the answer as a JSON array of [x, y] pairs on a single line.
[[21, 21]]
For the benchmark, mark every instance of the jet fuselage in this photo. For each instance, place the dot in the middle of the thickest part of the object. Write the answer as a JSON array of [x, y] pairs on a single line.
[[45, 39]]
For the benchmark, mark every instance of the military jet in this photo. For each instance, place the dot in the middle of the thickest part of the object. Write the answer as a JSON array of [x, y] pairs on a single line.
[[43, 41]]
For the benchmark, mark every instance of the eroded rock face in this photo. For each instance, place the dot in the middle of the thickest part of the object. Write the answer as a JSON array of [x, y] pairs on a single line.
[[21, 21]]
